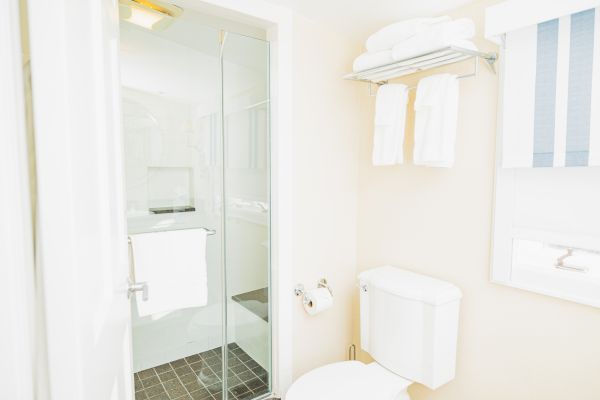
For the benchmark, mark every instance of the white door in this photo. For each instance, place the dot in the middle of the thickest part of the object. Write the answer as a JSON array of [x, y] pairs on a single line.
[[16, 244], [81, 228]]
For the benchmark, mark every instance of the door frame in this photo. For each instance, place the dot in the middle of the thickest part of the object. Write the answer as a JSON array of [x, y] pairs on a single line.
[[63, 30]]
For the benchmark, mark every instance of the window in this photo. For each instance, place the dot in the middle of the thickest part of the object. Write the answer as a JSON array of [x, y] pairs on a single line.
[[547, 209]]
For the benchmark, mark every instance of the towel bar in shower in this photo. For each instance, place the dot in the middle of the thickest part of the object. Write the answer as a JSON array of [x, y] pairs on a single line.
[[209, 232]]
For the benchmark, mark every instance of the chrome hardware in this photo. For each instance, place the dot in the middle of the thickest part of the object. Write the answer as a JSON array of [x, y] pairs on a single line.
[[323, 284], [299, 289], [574, 268], [133, 287], [448, 55], [560, 262]]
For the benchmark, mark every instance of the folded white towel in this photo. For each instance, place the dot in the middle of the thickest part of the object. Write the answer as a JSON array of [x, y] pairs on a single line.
[[436, 108], [388, 36], [372, 60], [173, 264], [390, 119], [442, 35]]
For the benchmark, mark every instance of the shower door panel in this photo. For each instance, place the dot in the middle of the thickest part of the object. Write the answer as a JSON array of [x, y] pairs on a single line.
[[171, 91], [196, 133], [245, 75]]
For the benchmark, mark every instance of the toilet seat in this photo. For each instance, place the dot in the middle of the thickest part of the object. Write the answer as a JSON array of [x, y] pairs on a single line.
[[349, 380]]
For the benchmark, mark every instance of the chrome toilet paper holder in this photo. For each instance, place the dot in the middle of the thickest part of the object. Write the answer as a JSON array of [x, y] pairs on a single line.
[[299, 289]]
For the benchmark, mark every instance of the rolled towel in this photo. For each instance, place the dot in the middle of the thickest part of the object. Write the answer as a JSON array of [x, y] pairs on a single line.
[[388, 36], [441, 35], [372, 60], [390, 120]]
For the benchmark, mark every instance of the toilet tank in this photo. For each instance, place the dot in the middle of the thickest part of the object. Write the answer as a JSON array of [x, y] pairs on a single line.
[[409, 323]]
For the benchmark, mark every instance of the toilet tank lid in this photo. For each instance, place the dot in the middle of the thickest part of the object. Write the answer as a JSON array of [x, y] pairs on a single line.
[[410, 285]]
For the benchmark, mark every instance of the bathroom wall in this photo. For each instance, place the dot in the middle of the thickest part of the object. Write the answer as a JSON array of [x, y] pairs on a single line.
[[327, 123], [512, 344]]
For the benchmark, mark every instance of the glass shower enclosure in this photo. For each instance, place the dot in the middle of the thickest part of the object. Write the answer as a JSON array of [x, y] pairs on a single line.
[[196, 137]]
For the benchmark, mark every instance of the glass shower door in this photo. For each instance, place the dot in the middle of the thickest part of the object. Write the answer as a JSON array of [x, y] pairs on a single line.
[[195, 104], [171, 102], [245, 77]]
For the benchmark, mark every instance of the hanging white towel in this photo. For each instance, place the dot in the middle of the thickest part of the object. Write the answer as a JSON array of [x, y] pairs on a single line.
[[388, 36], [441, 35], [436, 108], [390, 119], [173, 265], [372, 60]]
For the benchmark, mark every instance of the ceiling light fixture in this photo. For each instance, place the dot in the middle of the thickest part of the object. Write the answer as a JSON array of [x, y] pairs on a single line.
[[154, 15]]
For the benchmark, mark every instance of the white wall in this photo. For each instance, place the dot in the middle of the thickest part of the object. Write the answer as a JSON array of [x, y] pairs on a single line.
[[512, 344]]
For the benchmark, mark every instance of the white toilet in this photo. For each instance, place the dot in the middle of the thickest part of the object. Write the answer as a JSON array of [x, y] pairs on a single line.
[[409, 325]]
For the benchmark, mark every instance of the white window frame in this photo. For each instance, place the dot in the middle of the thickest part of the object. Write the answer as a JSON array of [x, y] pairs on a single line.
[[504, 231]]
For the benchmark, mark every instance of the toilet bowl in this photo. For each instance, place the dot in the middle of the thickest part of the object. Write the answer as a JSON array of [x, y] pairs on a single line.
[[409, 325], [349, 380]]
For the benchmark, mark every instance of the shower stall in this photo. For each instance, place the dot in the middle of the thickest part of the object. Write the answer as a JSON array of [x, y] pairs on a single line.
[[195, 113]]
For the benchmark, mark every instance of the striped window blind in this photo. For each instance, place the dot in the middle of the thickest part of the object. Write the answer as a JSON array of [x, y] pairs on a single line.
[[551, 93]]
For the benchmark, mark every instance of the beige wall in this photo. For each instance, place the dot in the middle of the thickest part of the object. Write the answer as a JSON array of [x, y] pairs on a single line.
[[326, 112], [512, 344]]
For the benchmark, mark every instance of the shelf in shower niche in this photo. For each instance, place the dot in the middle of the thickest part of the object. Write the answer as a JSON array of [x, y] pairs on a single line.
[[171, 210], [255, 301]]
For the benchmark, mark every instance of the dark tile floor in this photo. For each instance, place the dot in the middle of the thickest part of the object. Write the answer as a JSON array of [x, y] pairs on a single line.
[[199, 377]]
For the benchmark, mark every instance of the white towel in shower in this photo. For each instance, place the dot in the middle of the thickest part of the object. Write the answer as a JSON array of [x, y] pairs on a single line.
[[173, 264], [436, 108], [390, 119]]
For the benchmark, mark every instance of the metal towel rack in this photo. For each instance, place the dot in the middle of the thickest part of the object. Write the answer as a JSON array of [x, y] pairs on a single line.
[[448, 55]]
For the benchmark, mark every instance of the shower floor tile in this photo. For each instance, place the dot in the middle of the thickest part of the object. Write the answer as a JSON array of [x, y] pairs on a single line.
[[198, 377]]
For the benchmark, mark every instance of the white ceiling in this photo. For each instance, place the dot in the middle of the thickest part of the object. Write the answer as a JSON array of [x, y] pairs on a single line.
[[360, 18]]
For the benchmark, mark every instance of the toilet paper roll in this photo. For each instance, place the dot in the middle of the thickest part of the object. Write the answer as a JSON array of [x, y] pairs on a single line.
[[317, 300]]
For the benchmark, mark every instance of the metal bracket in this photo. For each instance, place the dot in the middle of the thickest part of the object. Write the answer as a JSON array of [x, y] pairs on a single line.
[[133, 287], [491, 61], [299, 289], [560, 262], [323, 284]]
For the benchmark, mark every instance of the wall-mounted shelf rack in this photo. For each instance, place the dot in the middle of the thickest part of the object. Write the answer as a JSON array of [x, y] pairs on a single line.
[[447, 55]]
